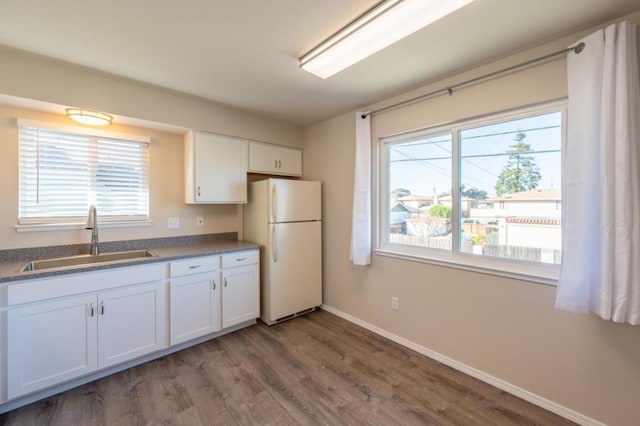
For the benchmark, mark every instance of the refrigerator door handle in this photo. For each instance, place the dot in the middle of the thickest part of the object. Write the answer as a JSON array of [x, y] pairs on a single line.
[[273, 202], [274, 254]]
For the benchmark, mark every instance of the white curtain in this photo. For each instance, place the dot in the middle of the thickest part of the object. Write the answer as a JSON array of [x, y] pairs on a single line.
[[601, 191], [361, 219]]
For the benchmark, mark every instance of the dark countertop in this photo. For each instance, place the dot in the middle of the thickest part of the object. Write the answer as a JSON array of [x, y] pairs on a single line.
[[166, 249]]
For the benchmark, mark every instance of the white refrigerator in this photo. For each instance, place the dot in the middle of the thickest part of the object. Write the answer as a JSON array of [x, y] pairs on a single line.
[[284, 217]]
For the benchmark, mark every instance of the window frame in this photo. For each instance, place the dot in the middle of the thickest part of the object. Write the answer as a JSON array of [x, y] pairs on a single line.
[[529, 271], [27, 224]]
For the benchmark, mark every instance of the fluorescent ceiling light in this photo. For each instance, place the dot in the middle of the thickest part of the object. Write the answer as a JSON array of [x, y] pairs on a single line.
[[381, 26], [85, 116]]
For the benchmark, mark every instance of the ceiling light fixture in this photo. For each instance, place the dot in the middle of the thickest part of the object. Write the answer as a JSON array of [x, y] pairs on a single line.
[[92, 118], [379, 27]]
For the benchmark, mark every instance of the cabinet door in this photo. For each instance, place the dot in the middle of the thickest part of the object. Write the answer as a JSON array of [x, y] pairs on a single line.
[[49, 343], [240, 294], [131, 322], [290, 161], [218, 169], [275, 160], [262, 158], [195, 306]]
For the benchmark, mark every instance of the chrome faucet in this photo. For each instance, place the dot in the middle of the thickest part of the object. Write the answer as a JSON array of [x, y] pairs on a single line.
[[92, 223]]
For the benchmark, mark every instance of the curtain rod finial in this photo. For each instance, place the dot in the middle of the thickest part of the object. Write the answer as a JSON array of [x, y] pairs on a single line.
[[365, 114], [579, 48]]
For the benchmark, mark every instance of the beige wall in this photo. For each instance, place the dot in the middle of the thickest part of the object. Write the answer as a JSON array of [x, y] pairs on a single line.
[[504, 327], [48, 81]]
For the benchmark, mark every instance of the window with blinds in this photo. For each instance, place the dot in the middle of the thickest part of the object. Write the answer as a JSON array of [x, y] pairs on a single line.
[[63, 171]]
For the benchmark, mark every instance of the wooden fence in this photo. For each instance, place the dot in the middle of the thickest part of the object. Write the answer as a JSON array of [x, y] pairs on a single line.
[[532, 254], [443, 243]]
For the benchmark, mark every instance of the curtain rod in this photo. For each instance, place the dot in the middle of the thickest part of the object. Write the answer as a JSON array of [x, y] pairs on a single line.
[[449, 89]]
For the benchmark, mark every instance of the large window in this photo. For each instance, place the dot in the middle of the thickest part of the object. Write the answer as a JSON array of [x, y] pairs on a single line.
[[62, 172], [482, 193]]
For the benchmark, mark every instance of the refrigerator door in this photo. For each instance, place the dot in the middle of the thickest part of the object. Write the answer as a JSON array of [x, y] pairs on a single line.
[[294, 201], [295, 268]]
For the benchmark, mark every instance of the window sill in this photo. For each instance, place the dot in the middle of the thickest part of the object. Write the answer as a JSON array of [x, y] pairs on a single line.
[[36, 227], [536, 273]]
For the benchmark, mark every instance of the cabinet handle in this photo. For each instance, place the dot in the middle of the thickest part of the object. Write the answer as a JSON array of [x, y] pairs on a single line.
[[198, 190], [275, 163], [91, 310], [225, 282], [241, 259], [101, 308], [279, 164], [194, 266], [214, 284]]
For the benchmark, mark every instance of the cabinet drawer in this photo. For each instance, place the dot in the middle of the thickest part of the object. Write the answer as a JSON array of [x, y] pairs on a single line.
[[195, 265], [240, 258], [83, 282]]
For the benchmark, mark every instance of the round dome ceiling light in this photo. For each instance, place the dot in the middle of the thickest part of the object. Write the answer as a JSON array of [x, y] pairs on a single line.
[[91, 118]]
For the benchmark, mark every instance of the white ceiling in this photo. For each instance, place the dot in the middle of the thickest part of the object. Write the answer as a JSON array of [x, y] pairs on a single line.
[[244, 52]]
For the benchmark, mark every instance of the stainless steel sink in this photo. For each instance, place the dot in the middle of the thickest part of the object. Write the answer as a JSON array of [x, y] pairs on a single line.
[[84, 260]]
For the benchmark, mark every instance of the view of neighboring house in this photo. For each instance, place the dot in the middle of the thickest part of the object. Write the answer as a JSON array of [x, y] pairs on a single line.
[[466, 204], [399, 215], [523, 225], [531, 203], [529, 218], [415, 201]]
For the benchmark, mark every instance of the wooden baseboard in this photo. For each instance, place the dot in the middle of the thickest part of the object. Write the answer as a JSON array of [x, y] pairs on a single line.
[[471, 371]]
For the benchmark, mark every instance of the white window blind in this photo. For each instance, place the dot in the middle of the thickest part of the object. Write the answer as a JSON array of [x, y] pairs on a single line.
[[62, 172]]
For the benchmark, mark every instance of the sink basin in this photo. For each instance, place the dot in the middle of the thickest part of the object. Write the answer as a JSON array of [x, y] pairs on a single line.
[[84, 260]]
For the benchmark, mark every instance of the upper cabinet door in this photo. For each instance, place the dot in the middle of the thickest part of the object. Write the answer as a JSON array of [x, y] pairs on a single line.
[[274, 160], [215, 169]]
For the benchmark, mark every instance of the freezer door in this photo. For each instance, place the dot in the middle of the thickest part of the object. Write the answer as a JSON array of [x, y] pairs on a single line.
[[294, 200], [295, 268]]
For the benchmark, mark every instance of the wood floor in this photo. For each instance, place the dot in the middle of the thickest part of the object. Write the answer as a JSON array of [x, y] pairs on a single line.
[[317, 369]]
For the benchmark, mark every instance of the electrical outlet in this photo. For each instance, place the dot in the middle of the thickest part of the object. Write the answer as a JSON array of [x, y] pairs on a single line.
[[395, 303], [200, 221], [173, 223]]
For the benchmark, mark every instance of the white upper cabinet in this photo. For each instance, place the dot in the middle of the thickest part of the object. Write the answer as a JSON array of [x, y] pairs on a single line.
[[215, 169], [274, 160]]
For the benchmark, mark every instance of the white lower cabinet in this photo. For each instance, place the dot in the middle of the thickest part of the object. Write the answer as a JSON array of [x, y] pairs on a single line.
[[211, 293], [194, 298], [53, 341], [240, 288], [64, 327], [50, 343], [131, 323]]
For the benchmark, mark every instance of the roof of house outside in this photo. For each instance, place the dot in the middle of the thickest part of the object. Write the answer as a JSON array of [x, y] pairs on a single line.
[[414, 198], [402, 207], [538, 194], [448, 198]]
